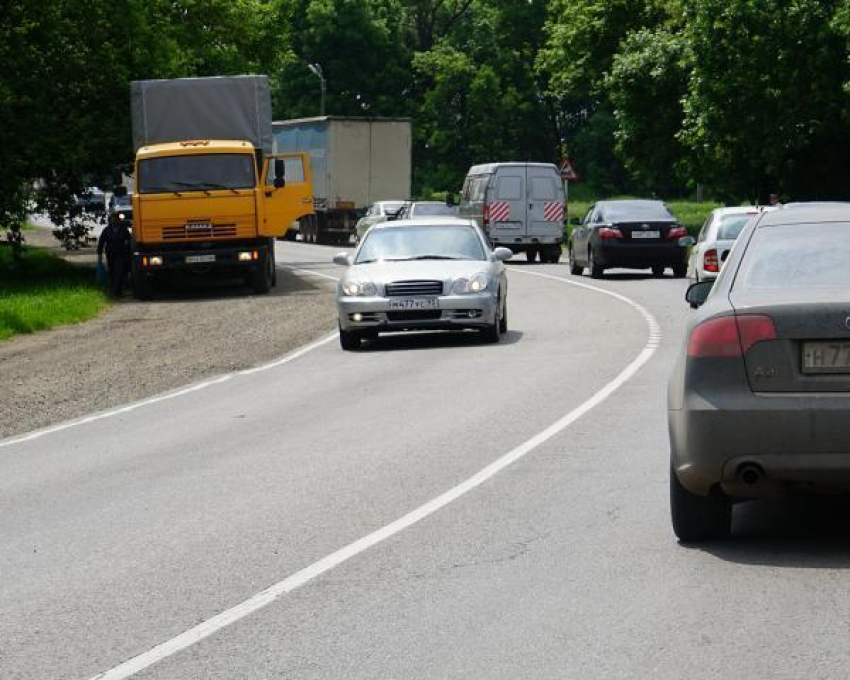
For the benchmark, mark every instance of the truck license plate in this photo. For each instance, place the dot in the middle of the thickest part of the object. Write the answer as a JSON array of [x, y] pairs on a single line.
[[414, 303], [195, 259]]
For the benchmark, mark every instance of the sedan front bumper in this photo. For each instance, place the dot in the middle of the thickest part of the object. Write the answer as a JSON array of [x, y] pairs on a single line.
[[452, 312]]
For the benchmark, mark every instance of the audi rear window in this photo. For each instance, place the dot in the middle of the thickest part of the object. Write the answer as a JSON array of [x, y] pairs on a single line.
[[794, 257]]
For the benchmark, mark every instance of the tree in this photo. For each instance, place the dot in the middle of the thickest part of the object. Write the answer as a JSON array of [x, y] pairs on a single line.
[[766, 109], [646, 85]]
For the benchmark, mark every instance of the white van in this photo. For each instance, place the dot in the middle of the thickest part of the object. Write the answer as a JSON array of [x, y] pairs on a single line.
[[519, 206]]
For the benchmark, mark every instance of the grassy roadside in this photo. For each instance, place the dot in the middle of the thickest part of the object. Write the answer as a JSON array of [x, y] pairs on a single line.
[[43, 291]]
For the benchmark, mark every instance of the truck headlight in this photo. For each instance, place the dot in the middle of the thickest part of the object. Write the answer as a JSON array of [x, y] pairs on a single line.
[[155, 261], [362, 288], [474, 284]]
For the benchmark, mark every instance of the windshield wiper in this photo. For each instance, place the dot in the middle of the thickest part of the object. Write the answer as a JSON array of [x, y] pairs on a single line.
[[431, 257], [205, 186]]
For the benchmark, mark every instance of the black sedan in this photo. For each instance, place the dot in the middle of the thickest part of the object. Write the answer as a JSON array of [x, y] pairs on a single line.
[[635, 234], [759, 401]]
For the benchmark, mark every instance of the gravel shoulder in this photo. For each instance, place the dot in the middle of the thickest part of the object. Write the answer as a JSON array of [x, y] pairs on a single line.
[[139, 349]]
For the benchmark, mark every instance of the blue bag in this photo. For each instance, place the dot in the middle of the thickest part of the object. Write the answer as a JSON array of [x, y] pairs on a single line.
[[100, 272]]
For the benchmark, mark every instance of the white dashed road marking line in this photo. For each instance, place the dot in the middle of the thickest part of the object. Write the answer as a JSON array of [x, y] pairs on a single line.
[[287, 585]]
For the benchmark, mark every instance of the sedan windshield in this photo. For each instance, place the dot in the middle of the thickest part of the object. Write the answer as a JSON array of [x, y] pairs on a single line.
[[797, 257], [196, 173], [421, 243]]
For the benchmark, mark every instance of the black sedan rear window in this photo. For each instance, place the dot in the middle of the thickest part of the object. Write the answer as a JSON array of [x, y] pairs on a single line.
[[628, 211], [797, 256]]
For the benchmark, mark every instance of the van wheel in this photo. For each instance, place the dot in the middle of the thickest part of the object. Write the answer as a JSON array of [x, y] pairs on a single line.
[[531, 254], [658, 271], [698, 518]]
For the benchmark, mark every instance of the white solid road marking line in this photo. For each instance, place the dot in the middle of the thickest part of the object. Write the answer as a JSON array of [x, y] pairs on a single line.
[[287, 585]]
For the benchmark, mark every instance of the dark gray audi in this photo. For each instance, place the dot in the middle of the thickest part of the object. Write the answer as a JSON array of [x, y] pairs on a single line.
[[759, 401]]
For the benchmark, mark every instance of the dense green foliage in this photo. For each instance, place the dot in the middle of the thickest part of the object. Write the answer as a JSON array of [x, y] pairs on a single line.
[[647, 96], [40, 291]]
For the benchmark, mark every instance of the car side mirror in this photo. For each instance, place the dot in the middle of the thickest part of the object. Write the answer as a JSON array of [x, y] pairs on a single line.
[[450, 199], [342, 259], [503, 254], [687, 241], [698, 292], [575, 221], [279, 173]]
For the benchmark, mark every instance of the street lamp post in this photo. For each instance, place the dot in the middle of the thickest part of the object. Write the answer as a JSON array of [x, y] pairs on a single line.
[[317, 71]]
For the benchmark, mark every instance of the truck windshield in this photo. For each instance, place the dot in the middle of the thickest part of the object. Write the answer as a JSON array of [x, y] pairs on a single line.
[[196, 172]]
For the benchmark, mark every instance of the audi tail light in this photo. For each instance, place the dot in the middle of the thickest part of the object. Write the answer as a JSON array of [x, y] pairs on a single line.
[[730, 337]]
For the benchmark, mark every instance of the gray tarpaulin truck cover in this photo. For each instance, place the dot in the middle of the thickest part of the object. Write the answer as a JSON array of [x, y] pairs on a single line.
[[226, 107]]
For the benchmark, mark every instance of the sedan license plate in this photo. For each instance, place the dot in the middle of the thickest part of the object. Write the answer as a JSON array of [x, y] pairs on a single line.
[[414, 303], [826, 357], [195, 259], [646, 234]]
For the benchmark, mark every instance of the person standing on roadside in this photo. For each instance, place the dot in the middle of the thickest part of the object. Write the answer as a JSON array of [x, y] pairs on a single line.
[[115, 240]]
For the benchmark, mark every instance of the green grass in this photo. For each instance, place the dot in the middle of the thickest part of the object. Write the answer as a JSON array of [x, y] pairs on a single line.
[[42, 291]]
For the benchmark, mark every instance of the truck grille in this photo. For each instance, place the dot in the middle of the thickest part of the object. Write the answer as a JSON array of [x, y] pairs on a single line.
[[199, 231], [414, 288]]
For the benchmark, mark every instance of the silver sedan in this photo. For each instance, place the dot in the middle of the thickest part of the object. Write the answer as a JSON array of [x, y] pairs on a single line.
[[428, 274]]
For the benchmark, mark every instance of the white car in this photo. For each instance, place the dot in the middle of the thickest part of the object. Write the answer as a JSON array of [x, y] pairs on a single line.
[[716, 239], [377, 212]]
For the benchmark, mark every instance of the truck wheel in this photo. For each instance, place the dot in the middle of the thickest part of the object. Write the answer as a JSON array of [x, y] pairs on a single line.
[[142, 284], [262, 278], [531, 254]]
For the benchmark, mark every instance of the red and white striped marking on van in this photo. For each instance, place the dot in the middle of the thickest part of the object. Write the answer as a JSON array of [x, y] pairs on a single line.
[[553, 212], [500, 212]]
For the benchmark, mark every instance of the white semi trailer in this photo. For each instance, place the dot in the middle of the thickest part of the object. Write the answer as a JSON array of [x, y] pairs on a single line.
[[354, 162]]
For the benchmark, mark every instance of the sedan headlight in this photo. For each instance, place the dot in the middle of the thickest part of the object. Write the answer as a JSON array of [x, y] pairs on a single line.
[[474, 284], [364, 288]]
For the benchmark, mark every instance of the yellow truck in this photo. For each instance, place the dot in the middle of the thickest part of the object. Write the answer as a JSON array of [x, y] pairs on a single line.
[[210, 196]]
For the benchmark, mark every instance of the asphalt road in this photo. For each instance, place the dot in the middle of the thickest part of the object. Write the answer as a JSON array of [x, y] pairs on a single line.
[[120, 534]]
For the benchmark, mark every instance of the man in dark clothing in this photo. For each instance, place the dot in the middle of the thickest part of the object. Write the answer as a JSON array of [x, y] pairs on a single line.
[[115, 240]]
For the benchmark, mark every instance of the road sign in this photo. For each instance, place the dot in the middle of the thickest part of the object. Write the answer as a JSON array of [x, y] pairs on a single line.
[[568, 172]]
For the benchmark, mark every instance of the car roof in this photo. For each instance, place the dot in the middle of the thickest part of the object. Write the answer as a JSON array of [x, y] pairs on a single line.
[[738, 210], [489, 168], [429, 221], [630, 201], [428, 203], [803, 213]]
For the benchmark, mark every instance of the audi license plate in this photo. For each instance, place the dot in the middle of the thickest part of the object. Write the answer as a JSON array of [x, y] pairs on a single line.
[[414, 303], [826, 356], [646, 234], [195, 259]]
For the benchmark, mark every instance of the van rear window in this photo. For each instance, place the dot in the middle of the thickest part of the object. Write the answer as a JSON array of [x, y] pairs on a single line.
[[543, 189], [509, 188]]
